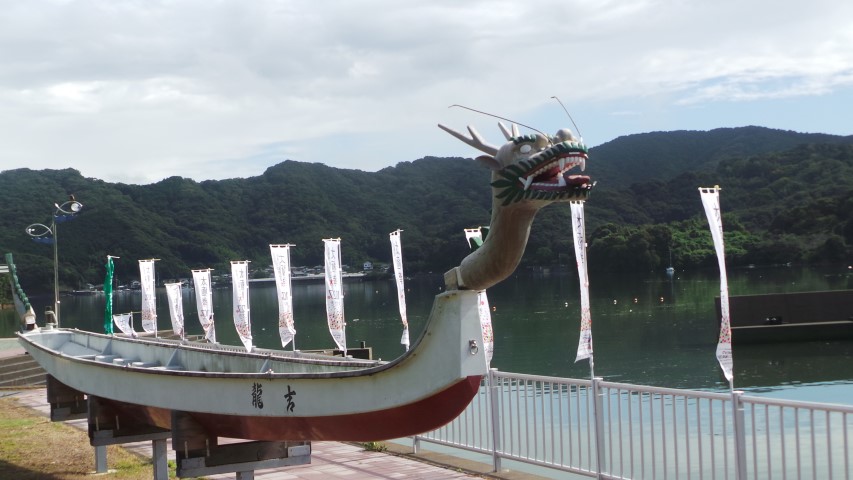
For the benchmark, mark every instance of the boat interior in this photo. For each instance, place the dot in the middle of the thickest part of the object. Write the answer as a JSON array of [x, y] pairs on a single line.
[[177, 355]]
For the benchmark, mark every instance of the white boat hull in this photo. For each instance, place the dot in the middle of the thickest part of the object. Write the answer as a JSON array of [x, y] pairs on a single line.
[[274, 395]]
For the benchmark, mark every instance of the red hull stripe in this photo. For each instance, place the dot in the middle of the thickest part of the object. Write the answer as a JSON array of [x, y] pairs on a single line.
[[406, 420]]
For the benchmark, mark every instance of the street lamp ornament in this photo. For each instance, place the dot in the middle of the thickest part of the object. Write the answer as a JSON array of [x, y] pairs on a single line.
[[42, 233], [67, 210]]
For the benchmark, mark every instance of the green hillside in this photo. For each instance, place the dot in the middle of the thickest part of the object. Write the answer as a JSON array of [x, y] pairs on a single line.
[[786, 197], [664, 155]]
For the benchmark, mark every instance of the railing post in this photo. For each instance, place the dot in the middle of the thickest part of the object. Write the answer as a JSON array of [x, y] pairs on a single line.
[[493, 392], [597, 413], [740, 435], [416, 444]]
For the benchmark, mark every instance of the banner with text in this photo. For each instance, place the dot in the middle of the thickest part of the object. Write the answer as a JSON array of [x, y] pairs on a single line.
[[108, 295], [204, 303], [579, 231], [474, 237], [149, 298], [281, 268], [711, 202], [176, 307], [486, 325], [335, 293], [240, 298], [124, 323], [397, 258]]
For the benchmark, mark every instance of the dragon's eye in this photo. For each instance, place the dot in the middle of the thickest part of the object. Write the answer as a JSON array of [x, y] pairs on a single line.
[[525, 148]]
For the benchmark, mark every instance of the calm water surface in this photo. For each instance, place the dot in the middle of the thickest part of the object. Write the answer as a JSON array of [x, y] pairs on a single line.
[[647, 329]]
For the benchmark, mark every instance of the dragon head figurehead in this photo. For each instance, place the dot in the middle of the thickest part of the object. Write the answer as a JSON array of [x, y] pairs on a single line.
[[528, 173]]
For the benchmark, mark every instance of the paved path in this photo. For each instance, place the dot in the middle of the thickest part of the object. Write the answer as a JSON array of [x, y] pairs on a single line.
[[9, 347], [329, 460]]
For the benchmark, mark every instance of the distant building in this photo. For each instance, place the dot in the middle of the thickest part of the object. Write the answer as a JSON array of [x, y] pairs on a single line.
[[368, 266]]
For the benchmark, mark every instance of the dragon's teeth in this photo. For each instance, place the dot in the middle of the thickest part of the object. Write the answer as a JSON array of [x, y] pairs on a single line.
[[527, 181], [562, 163], [561, 180], [583, 164]]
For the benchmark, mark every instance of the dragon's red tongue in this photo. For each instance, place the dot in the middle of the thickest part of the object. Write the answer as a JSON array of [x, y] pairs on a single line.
[[576, 179], [549, 175]]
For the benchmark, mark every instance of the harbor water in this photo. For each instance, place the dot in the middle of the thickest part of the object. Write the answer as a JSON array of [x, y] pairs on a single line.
[[648, 329]]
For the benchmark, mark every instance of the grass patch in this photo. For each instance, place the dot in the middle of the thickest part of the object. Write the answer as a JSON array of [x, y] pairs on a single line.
[[34, 448], [374, 446]]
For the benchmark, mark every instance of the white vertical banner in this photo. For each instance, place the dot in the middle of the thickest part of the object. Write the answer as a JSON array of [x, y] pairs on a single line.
[[335, 292], [123, 322], [176, 307], [204, 303], [474, 234], [711, 202], [149, 297], [486, 325], [474, 237], [397, 260], [579, 231], [240, 287], [281, 268]]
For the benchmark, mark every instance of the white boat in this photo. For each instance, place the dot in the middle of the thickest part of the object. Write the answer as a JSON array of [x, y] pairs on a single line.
[[275, 395], [278, 395]]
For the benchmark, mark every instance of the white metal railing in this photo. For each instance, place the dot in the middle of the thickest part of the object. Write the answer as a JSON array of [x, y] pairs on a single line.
[[620, 431]]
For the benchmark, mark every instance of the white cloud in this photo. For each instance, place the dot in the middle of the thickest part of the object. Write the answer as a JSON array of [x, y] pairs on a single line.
[[138, 91]]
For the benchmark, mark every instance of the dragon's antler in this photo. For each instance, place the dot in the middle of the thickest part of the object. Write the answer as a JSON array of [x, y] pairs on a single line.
[[507, 133], [475, 141]]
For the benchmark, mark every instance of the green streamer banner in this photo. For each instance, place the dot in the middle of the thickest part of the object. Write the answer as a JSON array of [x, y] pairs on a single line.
[[108, 294]]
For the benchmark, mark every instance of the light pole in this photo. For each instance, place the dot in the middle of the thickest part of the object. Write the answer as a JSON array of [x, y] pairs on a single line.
[[41, 233]]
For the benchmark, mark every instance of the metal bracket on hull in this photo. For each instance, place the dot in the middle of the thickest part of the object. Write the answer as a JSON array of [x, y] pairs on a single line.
[[198, 453], [65, 402]]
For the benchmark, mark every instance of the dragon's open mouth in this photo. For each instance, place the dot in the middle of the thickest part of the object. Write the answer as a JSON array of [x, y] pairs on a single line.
[[554, 175], [544, 176]]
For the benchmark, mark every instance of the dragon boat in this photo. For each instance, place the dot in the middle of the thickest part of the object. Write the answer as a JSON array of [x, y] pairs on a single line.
[[279, 395]]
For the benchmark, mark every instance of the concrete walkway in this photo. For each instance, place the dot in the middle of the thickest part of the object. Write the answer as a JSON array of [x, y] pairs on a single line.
[[329, 460], [9, 347]]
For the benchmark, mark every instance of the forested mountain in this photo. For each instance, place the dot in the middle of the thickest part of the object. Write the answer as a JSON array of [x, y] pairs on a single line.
[[787, 197], [794, 206], [663, 155]]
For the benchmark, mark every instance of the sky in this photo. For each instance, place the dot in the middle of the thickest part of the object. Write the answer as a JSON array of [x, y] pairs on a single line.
[[138, 91]]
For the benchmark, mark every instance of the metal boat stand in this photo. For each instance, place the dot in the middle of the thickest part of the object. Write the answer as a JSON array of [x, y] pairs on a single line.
[[198, 452]]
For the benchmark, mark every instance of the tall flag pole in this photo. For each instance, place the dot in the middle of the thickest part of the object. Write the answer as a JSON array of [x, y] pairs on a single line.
[[335, 293], [149, 297], [176, 308], [281, 268], [108, 294], [397, 259], [711, 202], [579, 231], [474, 237], [242, 311], [204, 303]]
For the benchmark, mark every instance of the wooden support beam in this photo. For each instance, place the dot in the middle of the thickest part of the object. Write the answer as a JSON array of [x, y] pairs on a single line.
[[198, 452], [113, 423], [65, 402]]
